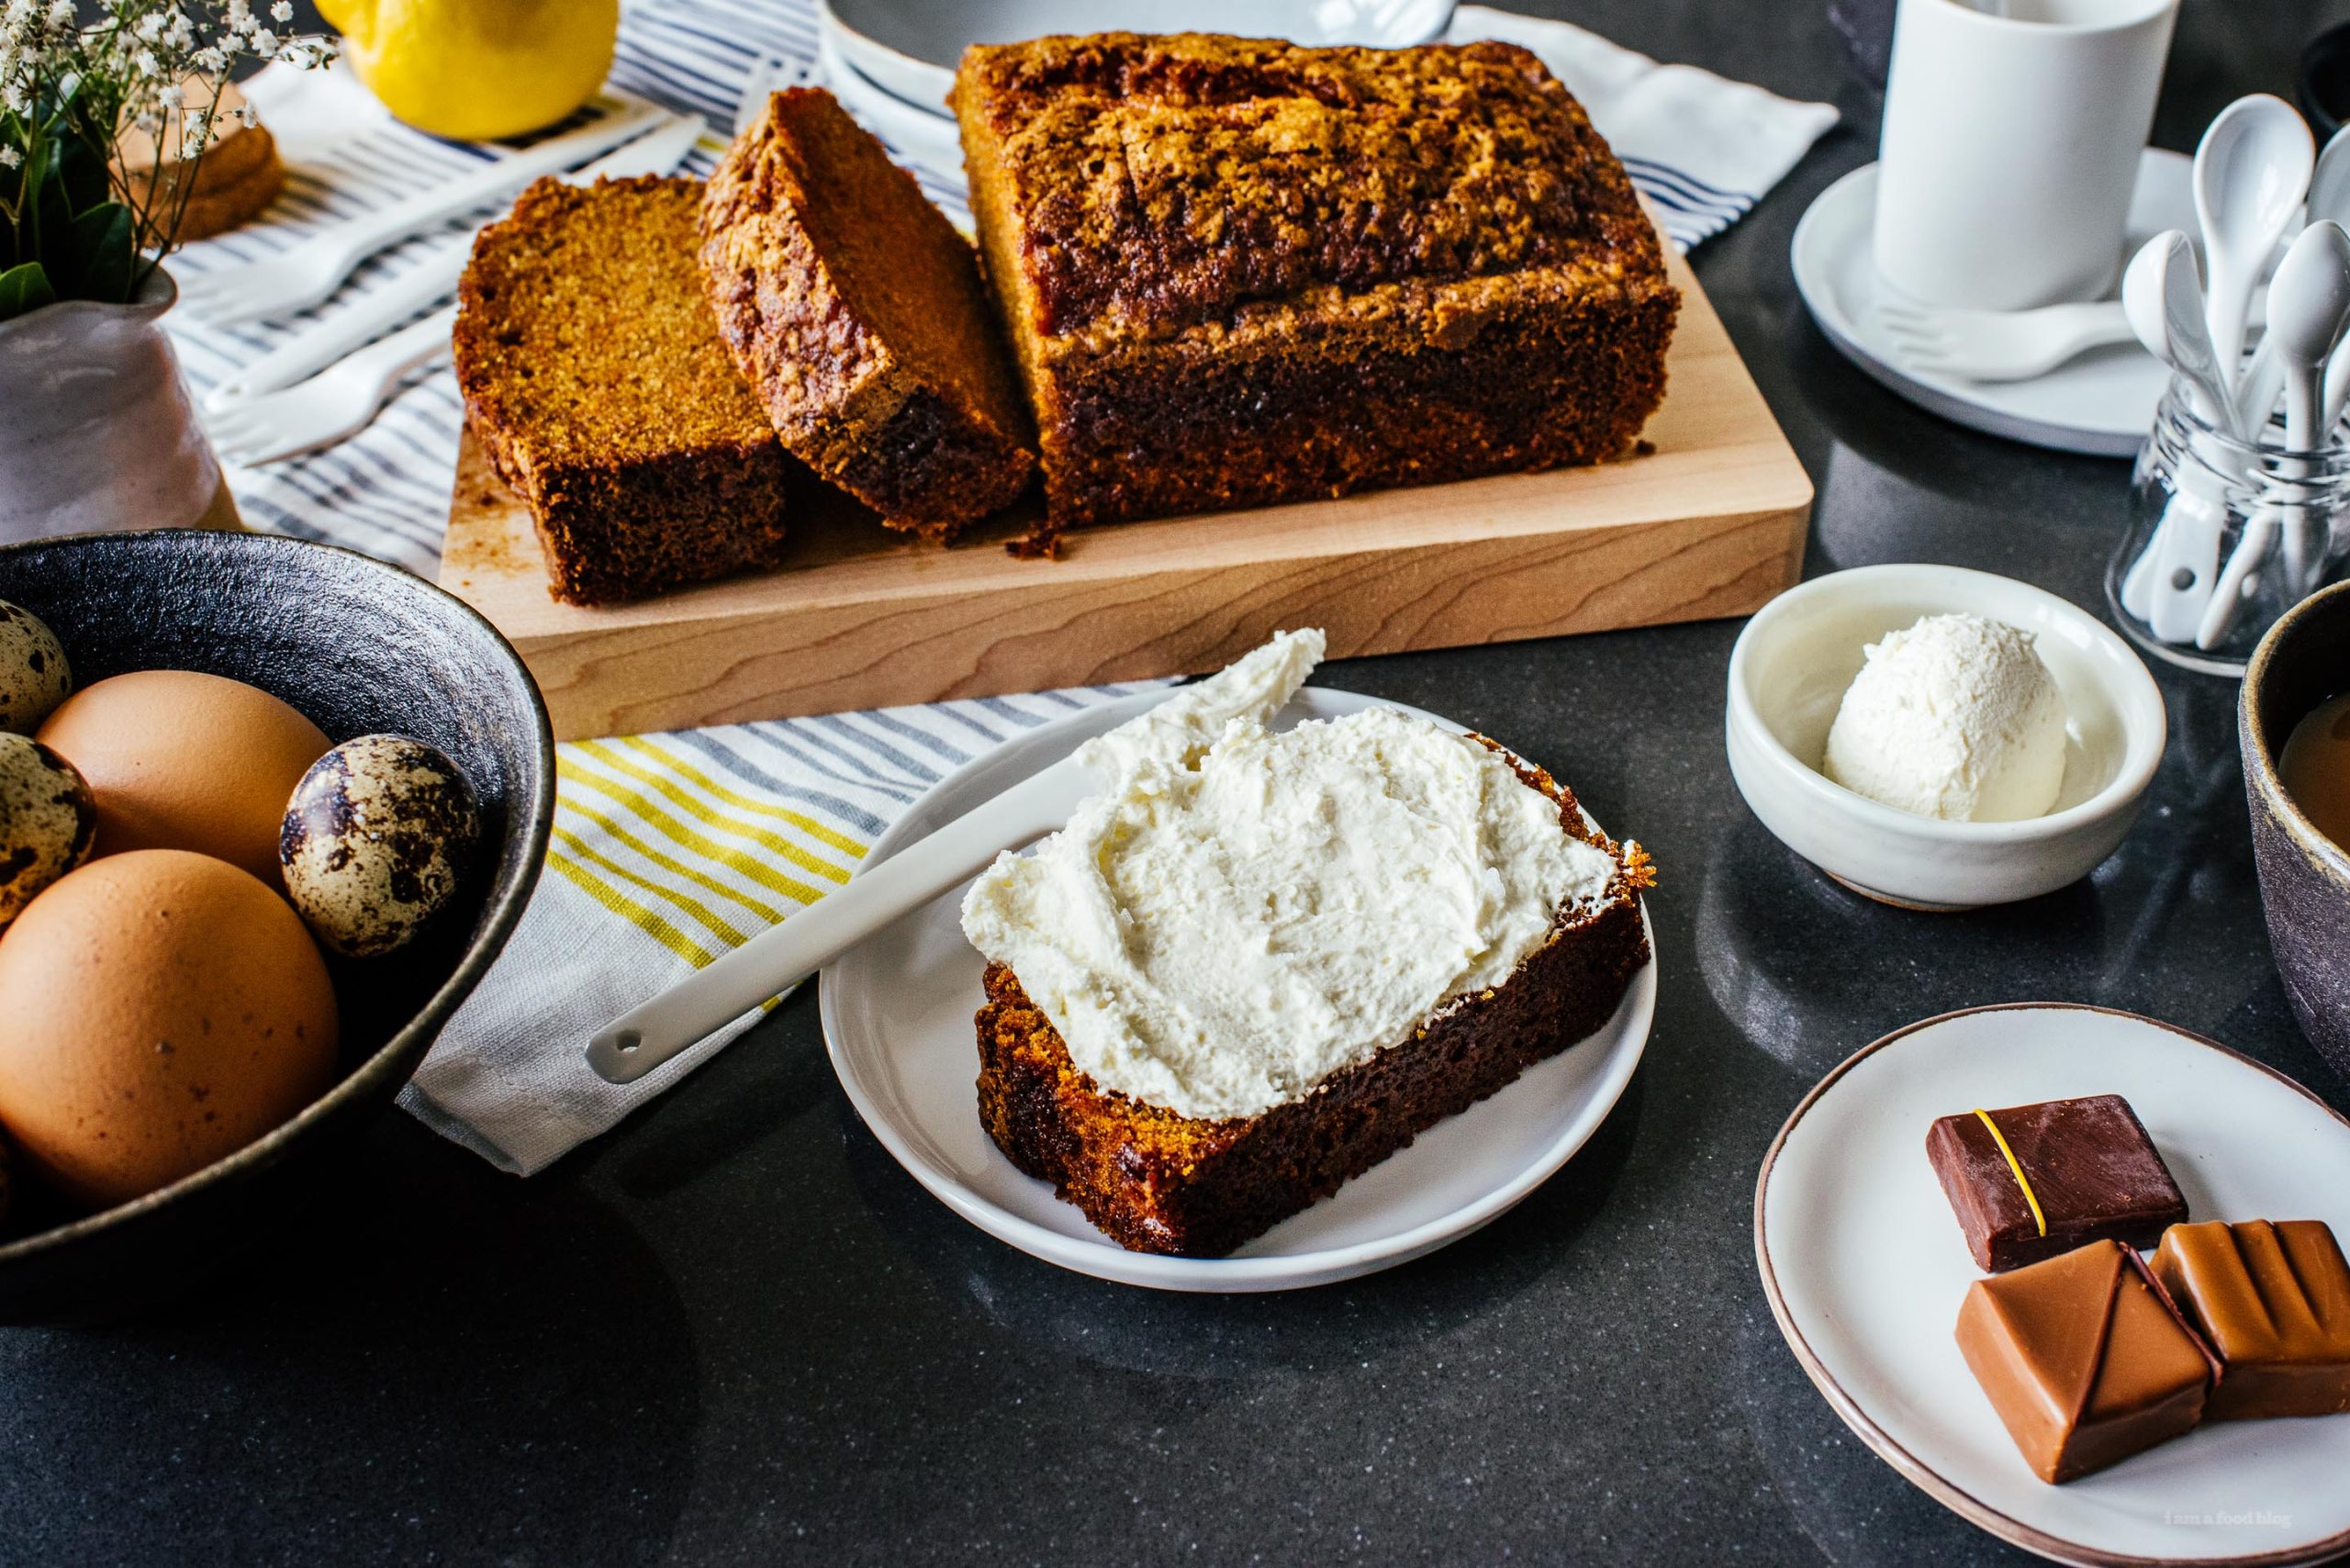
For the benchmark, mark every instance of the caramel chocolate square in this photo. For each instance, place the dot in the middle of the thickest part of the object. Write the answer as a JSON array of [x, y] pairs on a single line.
[[2272, 1298], [2088, 1163], [2085, 1359]]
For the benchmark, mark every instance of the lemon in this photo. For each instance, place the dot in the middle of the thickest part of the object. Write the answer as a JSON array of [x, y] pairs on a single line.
[[477, 70]]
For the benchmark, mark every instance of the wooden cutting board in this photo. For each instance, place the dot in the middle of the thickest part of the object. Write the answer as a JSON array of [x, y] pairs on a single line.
[[1710, 523]]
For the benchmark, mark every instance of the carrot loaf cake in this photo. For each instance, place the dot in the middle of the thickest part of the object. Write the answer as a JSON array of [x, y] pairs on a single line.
[[858, 313], [1257, 963], [1240, 272], [593, 378]]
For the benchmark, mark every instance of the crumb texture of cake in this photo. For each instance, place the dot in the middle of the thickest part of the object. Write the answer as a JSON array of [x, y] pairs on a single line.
[[1242, 272], [595, 379], [859, 314], [1257, 963]]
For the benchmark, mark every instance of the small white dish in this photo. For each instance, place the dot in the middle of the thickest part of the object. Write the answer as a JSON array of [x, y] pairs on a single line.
[[2101, 403], [1864, 1267], [1787, 676], [897, 1014]]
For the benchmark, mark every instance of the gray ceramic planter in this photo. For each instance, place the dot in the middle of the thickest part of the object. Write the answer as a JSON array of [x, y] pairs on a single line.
[[2304, 876]]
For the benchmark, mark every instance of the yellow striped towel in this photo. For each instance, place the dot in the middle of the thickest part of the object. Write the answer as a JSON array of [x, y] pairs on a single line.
[[666, 851]]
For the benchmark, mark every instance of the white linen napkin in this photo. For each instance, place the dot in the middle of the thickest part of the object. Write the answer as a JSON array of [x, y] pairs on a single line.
[[1703, 149], [669, 849]]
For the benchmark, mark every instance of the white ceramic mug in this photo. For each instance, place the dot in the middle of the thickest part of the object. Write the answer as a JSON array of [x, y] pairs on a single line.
[[2012, 129]]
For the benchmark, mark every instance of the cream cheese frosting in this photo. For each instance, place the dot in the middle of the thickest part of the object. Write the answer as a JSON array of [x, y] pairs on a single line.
[[1239, 914]]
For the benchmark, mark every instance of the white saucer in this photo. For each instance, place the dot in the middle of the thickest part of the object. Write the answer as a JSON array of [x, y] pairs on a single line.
[[897, 1016], [2101, 403], [1864, 1267]]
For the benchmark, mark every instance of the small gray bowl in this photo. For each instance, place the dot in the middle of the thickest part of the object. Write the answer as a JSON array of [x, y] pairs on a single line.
[[361, 647], [2304, 876]]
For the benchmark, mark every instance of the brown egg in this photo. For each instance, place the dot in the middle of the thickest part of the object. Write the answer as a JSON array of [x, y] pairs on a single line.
[[163, 1010], [179, 760]]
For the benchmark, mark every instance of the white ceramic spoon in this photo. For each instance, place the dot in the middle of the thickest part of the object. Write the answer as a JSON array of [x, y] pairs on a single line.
[[2167, 586], [2263, 378], [2252, 171], [2309, 310]]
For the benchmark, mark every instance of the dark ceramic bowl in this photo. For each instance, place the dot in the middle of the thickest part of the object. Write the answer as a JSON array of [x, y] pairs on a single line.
[[2304, 876], [360, 647]]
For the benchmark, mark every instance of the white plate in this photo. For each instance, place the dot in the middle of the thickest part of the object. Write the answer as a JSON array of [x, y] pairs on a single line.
[[897, 1014], [930, 139], [910, 47], [1865, 1268], [2101, 403]]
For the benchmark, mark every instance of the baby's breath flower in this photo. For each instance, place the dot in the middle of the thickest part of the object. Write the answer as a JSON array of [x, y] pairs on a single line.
[[281, 13], [9, 157]]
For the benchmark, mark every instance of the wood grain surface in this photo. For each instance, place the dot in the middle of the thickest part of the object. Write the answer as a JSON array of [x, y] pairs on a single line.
[[1709, 523]]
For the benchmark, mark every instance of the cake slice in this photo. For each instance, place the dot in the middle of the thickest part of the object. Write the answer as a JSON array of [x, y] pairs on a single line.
[[858, 313], [593, 378], [1240, 272], [1259, 963]]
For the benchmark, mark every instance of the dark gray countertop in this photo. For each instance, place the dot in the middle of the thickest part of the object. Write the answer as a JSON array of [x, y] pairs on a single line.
[[734, 1331]]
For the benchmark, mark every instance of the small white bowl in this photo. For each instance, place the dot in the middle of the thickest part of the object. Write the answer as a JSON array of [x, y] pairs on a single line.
[[1787, 676]]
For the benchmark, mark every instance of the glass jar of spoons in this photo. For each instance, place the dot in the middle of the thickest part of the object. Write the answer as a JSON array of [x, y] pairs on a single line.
[[2225, 535], [2239, 508]]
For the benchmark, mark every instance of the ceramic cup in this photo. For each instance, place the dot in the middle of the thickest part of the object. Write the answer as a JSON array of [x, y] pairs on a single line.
[[2304, 876], [2012, 130]]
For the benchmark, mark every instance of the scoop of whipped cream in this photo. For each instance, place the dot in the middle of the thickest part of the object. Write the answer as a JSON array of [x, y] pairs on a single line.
[[1240, 913], [1955, 717]]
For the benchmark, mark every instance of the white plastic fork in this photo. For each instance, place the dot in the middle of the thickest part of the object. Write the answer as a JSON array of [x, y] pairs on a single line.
[[2005, 345], [767, 73], [331, 405], [1999, 345], [295, 279]]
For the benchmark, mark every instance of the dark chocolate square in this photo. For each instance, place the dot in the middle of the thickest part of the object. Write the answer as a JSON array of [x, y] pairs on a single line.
[[2089, 1163]]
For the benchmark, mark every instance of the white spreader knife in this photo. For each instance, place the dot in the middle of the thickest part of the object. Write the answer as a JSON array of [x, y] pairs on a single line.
[[780, 957]]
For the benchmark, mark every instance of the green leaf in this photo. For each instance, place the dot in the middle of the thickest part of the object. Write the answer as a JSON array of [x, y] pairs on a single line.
[[24, 288], [83, 172], [53, 229], [105, 253]]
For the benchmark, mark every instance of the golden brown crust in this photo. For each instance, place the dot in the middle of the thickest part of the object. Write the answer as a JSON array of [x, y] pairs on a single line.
[[595, 379], [1240, 272], [1157, 1182], [858, 313]]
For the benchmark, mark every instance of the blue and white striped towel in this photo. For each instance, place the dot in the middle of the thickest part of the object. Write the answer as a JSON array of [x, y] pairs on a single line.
[[669, 849]]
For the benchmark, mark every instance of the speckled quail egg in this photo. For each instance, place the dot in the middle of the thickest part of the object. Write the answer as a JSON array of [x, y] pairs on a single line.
[[46, 820], [34, 676], [375, 841]]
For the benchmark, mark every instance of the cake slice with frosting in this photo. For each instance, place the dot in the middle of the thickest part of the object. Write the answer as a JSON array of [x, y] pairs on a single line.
[[1259, 961]]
